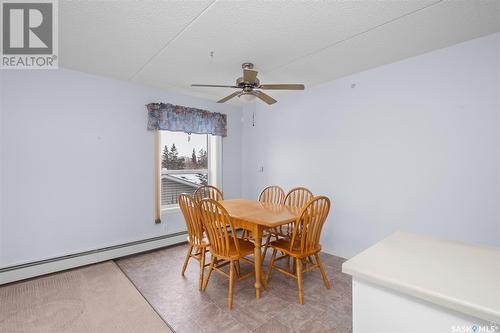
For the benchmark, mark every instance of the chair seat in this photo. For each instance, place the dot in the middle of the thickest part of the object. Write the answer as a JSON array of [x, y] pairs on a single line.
[[283, 245], [204, 241], [246, 248]]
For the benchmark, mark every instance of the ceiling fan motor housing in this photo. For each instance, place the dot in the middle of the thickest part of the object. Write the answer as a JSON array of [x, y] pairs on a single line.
[[243, 84]]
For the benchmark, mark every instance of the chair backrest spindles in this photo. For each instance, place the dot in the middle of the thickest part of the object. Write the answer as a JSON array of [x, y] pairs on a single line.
[[298, 197], [216, 220], [191, 216], [272, 194], [308, 226], [208, 191]]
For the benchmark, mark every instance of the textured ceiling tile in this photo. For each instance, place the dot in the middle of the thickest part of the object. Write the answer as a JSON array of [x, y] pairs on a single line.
[[439, 26], [289, 41], [267, 33], [116, 38]]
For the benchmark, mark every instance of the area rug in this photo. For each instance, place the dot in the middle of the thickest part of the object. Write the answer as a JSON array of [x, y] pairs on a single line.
[[97, 298]]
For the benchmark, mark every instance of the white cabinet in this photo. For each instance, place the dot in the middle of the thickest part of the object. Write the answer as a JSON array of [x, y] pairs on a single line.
[[378, 309], [417, 283]]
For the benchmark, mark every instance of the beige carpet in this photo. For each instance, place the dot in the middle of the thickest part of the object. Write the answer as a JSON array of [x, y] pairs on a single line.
[[97, 298]]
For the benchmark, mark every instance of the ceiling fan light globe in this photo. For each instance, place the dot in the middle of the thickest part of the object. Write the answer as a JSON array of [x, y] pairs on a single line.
[[247, 97]]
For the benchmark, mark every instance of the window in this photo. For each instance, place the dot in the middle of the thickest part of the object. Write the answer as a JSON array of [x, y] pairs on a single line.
[[186, 163]]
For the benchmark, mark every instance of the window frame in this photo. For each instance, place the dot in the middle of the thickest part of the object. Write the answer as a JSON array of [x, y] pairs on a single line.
[[214, 151]]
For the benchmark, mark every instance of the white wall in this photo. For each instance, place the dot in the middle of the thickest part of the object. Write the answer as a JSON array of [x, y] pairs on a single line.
[[78, 162], [414, 146]]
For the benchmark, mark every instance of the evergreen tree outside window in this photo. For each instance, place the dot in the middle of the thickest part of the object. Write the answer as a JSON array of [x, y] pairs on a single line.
[[184, 164]]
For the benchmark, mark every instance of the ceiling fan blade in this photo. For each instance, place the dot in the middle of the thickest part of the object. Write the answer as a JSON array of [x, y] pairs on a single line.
[[213, 86], [227, 98], [265, 97], [249, 75], [282, 86]]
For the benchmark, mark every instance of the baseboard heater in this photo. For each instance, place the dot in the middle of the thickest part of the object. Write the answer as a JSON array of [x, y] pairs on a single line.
[[46, 266]]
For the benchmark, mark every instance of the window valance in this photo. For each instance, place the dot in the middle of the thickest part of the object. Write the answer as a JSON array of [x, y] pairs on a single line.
[[171, 117]]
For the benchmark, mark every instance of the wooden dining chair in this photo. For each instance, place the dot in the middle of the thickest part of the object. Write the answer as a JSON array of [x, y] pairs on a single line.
[[198, 242], [297, 198], [226, 248], [208, 191], [304, 243], [272, 194]]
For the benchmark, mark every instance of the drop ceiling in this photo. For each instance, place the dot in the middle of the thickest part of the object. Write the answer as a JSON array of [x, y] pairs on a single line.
[[172, 44]]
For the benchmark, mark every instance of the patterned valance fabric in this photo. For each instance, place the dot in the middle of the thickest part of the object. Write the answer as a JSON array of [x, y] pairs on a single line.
[[184, 119]]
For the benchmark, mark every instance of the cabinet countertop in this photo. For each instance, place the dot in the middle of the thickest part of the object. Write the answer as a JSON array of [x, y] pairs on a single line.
[[459, 276]]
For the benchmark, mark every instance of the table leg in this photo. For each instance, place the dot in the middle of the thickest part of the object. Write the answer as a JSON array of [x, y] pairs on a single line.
[[257, 235]]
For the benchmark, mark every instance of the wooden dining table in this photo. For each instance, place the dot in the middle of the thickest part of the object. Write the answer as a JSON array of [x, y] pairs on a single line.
[[256, 217]]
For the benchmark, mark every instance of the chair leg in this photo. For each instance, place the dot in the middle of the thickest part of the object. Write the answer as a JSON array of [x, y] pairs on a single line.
[[246, 235], [323, 273], [298, 266], [202, 267], [268, 240], [210, 269], [271, 263], [231, 283], [188, 255], [237, 267], [311, 261], [304, 263]]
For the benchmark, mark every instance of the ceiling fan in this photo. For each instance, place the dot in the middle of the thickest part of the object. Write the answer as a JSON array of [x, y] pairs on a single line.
[[249, 85]]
